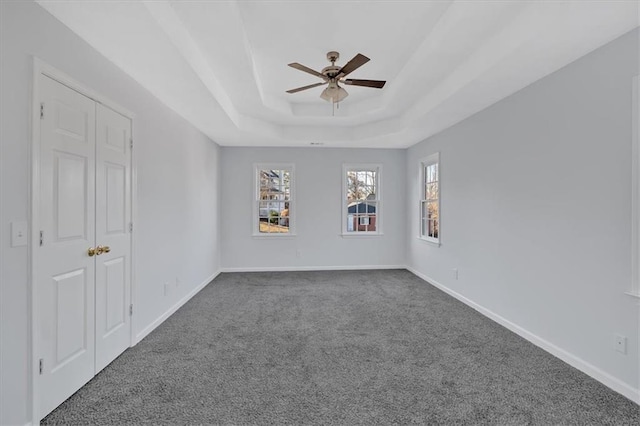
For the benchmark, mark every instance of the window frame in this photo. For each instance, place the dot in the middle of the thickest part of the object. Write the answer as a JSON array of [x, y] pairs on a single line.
[[422, 197], [255, 205], [370, 167]]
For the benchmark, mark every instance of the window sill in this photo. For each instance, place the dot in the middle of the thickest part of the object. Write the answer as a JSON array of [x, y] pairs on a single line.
[[430, 242], [273, 236], [361, 234]]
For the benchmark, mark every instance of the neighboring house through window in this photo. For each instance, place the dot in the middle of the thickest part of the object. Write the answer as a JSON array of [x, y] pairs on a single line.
[[430, 198], [362, 202], [274, 200]]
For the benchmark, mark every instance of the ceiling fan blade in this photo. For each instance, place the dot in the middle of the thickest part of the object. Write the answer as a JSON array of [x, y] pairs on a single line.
[[355, 63], [307, 69], [378, 84], [299, 89]]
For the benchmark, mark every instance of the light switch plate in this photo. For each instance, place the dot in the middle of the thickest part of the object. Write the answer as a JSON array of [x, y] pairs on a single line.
[[18, 233]]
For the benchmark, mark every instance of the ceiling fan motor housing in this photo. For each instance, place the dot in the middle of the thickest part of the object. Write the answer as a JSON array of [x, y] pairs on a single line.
[[331, 71]]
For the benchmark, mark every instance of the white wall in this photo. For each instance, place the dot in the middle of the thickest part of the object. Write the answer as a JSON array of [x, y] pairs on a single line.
[[536, 210], [318, 174], [178, 187]]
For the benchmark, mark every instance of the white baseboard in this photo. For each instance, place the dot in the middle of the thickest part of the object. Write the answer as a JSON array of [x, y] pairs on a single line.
[[573, 360], [148, 329], [311, 268]]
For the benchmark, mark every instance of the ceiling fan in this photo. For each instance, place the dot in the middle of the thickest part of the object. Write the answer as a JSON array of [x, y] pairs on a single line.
[[332, 75]]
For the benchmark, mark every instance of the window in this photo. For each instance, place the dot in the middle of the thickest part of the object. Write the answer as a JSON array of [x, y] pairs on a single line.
[[361, 200], [273, 212], [430, 198]]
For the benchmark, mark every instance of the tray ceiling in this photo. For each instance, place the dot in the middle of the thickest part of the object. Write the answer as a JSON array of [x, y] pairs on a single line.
[[222, 65]]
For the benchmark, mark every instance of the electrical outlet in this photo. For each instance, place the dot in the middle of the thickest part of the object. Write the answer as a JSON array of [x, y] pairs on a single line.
[[620, 343], [455, 273]]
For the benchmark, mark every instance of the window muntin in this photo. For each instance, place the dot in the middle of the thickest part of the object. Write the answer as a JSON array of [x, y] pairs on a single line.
[[430, 198], [274, 200], [361, 200]]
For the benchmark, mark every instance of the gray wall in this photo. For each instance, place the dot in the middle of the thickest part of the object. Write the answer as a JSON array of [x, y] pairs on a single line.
[[178, 193], [536, 206], [318, 183], [536, 210]]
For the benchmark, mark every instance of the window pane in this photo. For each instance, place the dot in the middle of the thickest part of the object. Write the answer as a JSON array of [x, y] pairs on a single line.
[[432, 210], [361, 185], [432, 191], [351, 220], [432, 174], [263, 209], [273, 213], [284, 216], [264, 183]]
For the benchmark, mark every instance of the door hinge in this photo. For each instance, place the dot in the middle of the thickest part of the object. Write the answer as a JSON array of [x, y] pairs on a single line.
[[41, 110], [131, 310], [41, 237], [130, 226], [40, 365]]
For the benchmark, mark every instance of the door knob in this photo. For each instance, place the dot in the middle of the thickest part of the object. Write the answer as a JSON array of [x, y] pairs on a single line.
[[91, 252], [102, 249]]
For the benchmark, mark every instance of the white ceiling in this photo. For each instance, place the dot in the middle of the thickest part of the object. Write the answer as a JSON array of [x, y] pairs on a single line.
[[222, 65]]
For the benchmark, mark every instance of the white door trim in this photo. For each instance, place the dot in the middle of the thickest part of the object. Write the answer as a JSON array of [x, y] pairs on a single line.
[[634, 289], [42, 68]]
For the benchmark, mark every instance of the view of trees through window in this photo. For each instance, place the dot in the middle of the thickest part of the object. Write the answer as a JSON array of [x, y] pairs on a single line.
[[362, 200], [274, 200], [430, 209]]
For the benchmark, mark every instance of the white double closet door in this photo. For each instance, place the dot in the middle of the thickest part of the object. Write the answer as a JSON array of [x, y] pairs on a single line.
[[82, 270]]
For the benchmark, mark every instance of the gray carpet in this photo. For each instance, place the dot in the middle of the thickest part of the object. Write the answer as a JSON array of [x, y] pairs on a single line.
[[343, 348]]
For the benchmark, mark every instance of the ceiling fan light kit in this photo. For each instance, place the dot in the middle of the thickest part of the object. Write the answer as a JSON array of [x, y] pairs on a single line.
[[334, 93], [332, 75]]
